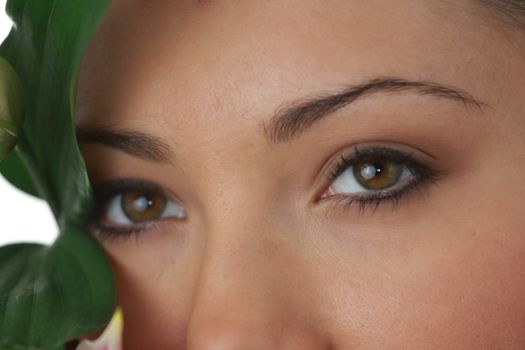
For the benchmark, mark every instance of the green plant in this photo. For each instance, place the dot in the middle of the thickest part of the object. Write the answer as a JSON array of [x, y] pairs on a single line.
[[49, 295]]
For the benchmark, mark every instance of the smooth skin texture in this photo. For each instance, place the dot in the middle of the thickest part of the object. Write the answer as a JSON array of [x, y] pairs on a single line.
[[260, 262]]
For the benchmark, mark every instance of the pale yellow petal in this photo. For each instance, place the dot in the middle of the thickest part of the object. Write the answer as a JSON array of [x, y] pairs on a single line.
[[110, 339]]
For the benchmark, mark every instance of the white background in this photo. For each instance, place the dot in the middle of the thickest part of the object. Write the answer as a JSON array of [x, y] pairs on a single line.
[[22, 217]]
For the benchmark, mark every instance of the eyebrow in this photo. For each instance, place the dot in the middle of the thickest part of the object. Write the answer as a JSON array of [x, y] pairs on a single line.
[[287, 122], [293, 119], [134, 143]]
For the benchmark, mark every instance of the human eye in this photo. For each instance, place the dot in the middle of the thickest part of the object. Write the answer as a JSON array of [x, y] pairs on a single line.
[[128, 207], [372, 176]]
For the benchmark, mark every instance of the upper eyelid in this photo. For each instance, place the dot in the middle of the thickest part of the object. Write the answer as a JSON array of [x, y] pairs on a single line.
[[424, 174], [425, 166], [344, 161], [109, 189], [105, 192]]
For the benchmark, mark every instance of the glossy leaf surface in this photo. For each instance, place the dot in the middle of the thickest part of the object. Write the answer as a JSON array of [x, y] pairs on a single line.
[[51, 294]]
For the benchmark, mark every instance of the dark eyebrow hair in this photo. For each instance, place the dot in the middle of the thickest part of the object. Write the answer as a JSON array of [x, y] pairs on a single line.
[[287, 122], [134, 143], [292, 119]]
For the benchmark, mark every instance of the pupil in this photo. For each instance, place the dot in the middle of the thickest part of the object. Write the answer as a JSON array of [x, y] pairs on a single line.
[[369, 171], [377, 174], [142, 203], [141, 207]]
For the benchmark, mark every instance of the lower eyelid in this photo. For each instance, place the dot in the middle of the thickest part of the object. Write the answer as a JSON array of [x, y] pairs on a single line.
[[418, 183], [123, 233], [103, 228], [340, 203], [406, 176], [372, 193]]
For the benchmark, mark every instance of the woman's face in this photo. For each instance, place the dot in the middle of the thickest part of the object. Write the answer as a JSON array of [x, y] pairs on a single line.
[[213, 133]]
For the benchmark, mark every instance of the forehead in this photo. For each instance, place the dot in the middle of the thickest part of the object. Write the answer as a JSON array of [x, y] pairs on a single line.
[[192, 66]]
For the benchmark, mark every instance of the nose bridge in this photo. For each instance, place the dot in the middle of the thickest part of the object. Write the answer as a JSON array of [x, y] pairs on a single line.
[[242, 295], [236, 291]]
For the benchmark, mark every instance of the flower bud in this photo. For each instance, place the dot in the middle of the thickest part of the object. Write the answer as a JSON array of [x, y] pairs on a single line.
[[11, 107]]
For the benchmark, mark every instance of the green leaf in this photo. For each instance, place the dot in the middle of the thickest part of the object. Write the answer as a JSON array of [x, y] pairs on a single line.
[[14, 171], [49, 295], [40, 307], [11, 107], [45, 48], [11, 97], [30, 348]]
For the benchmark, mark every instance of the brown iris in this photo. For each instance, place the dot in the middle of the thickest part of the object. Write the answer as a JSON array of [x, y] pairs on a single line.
[[141, 206], [378, 174]]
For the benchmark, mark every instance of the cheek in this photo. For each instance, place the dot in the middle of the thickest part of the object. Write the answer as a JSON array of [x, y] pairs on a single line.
[[154, 277], [461, 290], [467, 293], [474, 293]]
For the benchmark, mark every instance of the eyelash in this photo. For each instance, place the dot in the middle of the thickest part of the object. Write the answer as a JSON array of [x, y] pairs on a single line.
[[104, 193], [423, 176]]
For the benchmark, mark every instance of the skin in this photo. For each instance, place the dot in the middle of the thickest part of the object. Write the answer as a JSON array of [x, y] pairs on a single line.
[[260, 262]]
